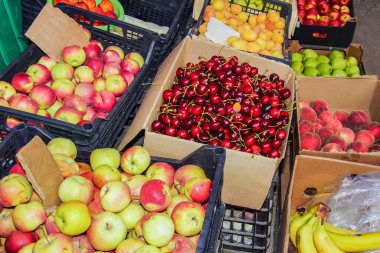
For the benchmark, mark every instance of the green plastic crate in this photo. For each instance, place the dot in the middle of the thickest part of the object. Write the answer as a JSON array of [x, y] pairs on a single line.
[[11, 44]]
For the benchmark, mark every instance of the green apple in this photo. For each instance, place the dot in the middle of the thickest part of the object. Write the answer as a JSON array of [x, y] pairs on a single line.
[[27, 248], [135, 160], [352, 70], [72, 218], [311, 72], [310, 63], [325, 75], [130, 245], [338, 64], [148, 249], [296, 57], [323, 59], [297, 66], [336, 54], [14, 190], [104, 174], [356, 75], [351, 61], [115, 196], [309, 53], [324, 68], [241, 2], [158, 229], [56, 242], [339, 73], [105, 156], [76, 188], [107, 231], [62, 146], [188, 218], [132, 214], [27, 217]]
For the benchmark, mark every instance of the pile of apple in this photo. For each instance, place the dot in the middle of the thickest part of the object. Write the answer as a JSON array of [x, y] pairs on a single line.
[[226, 103], [85, 86], [321, 129], [104, 8], [309, 63], [262, 33], [323, 12], [104, 209]]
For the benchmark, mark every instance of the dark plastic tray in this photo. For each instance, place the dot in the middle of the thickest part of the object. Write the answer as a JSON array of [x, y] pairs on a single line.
[[285, 10], [246, 230], [327, 35], [211, 159], [90, 135]]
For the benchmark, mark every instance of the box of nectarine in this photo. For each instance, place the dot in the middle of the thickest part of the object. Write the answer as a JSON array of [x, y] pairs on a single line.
[[50, 199], [314, 180], [205, 93], [339, 118]]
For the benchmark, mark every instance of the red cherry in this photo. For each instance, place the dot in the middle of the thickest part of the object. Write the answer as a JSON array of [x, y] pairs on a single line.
[[281, 135], [256, 149], [276, 143], [194, 76], [167, 95], [182, 134], [274, 154], [197, 110], [226, 143], [249, 140], [170, 131], [266, 148], [175, 122], [285, 94], [156, 125], [195, 130], [214, 143], [179, 72], [254, 71]]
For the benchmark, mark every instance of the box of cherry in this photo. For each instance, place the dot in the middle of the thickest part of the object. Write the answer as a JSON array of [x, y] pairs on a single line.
[[222, 102]]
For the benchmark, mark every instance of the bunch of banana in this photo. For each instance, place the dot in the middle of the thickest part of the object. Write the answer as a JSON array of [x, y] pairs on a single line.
[[310, 233]]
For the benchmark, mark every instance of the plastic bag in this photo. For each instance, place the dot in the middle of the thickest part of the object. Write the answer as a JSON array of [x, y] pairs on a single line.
[[356, 204]]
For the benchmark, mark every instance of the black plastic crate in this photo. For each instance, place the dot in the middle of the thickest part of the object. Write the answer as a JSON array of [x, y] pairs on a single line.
[[211, 159], [283, 8], [326, 35], [92, 135], [248, 230], [168, 13]]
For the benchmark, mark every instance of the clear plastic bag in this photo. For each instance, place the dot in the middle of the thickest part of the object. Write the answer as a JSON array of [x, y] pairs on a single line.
[[356, 204]]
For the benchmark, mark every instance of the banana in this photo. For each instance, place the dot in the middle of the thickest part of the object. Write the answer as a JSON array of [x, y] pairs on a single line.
[[356, 242], [300, 211], [321, 239], [297, 222], [336, 230], [305, 242]]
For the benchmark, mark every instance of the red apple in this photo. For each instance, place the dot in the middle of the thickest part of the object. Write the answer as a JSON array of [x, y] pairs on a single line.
[[63, 88], [96, 65], [23, 103], [185, 173], [162, 171], [116, 84], [334, 23], [22, 82], [111, 68], [17, 240], [131, 66], [198, 189], [73, 55], [68, 114], [116, 49], [128, 76], [344, 9], [86, 91], [344, 17], [43, 95], [344, 2], [76, 102], [17, 169], [90, 113], [323, 7], [97, 43], [111, 56], [50, 225], [135, 56], [7, 226], [99, 84], [179, 244], [188, 218], [92, 51], [47, 61], [334, 15], [310, 22], [100, 115], [39, 73], [84, 74], [155, 195], [103, 101]]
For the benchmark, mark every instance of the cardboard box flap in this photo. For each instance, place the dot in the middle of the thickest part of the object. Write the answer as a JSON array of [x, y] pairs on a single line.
[[42, 172], [53, 30]]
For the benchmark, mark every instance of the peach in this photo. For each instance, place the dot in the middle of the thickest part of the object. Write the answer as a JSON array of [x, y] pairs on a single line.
[[306, 126], [365, 137], [346, 134], [357, 147], [308, 114], [332, 147], [334, 124], [374, 128], [356, 120], [310, 141], [318, 124], [319, 105], [337, 140], [341, 116], [155, 195], [326, 116]]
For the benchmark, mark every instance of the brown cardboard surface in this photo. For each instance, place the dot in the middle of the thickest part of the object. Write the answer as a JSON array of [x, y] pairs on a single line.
[[306, 170], [42, 172], [345, 94], [197, 9], [247, 178], [53, 30]]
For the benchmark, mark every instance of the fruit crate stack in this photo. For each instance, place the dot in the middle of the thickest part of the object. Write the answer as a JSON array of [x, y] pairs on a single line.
[[98, 133]]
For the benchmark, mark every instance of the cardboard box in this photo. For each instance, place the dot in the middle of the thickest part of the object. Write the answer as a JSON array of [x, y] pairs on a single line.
[[307, 169], [345, 94], [247, 178], [354, 50]]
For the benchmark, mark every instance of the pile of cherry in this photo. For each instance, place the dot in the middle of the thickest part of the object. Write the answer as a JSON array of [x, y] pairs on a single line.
[[339, 131], [226, 103]]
